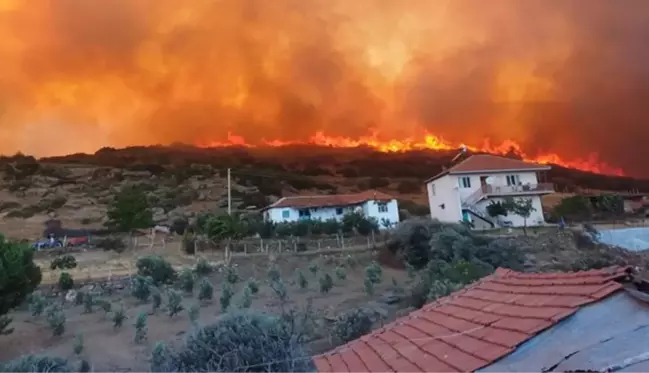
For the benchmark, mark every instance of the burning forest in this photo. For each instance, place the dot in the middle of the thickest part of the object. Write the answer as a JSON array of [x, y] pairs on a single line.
[[551, 81]]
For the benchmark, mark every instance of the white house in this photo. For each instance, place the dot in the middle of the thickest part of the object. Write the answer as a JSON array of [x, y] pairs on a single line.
[[382, 207], [462, 192]]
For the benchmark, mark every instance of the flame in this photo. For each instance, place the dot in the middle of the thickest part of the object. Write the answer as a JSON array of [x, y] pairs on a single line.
[[429, 142], [547, 80]]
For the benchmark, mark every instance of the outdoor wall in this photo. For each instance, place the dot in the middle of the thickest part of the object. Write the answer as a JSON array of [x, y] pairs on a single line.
[[499, 178], [445, 193], [369, 209], [536, 217], [634, 239]]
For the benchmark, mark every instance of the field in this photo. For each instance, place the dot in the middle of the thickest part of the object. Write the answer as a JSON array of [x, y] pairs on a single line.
[[111, 349]]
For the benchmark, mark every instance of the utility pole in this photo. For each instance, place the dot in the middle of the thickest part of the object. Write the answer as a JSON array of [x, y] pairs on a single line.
[[229, 193]]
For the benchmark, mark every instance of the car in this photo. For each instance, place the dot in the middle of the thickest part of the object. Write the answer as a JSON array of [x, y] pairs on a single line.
[[47, 244]]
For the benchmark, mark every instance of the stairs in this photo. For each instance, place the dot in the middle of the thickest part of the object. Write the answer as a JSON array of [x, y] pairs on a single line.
[[480, 215]]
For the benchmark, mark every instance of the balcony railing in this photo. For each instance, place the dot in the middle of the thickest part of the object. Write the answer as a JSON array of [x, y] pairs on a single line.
[[508, 190]]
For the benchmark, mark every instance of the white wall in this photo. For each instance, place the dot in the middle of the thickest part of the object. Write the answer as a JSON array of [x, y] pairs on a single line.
[[498, 179], [536, 217], [445, 193], [369, 209]]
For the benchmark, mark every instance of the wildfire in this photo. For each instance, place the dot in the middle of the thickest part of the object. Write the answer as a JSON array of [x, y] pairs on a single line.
[[430, 142]]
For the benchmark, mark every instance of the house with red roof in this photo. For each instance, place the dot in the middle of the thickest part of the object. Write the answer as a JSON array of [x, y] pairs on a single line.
[[383, 207], [594, 320], [463, 192]]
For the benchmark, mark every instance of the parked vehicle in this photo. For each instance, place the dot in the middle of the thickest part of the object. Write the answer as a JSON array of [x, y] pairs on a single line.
[[47, 244]]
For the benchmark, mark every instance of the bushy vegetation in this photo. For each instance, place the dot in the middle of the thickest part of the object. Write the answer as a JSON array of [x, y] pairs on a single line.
[[353, 324], [130, 211], [240, 341], [37, 364], [157, 268], [19, 277], [231, 227], [443, 257]]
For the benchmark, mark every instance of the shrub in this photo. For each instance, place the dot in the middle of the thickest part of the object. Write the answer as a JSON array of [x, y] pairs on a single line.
[[374, 273], [78, 298], [19, 276], [65, 281], [302, 282], [326, 283], [239, 341], [246, 298], [205, 290], [279, 287], [156, 299], [193, 312], [313, 267], [157, 268], [140, 328], [64, 262], [231, 274], [88, 303], [119, 316], [273, 273], [369, 286], [350, 261], [189, 243], [253, 285], [226, 296], [130, 210], [5, 321], [105, 306], [352, 325], [115, 244], [77, 347], [187, 280], [37, 303], [203, 267], [340, 273], [174, 302], [141, 287], [56, 319], [34, 364]]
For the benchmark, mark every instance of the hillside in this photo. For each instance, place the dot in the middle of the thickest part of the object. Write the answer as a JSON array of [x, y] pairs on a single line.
[[183, 180]]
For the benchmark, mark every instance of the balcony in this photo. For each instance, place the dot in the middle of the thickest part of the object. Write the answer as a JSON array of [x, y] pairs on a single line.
[[487, 191]]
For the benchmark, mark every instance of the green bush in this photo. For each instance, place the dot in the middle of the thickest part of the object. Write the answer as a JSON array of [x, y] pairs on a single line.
[[115, 244], [301, 279], [205, 290], [253, 285], [174, 302], [63, 262], [239, 341], [187, 280], [19, 276], [37, 364], [203, 267], [65, 281], [340, 273], [231, 274], [326, 283], [141, 287], [56, 319], [226, 296], [353, 324], [119, 316], [157, 268], [140, 328]]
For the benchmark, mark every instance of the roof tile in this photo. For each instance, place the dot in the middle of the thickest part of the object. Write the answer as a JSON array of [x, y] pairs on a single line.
[[475, 326], [333, 200]]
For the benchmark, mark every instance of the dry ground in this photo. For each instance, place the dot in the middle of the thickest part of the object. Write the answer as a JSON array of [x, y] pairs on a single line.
[[114, 350]]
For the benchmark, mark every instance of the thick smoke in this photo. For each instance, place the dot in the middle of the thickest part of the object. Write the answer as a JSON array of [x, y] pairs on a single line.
[[569, 77]]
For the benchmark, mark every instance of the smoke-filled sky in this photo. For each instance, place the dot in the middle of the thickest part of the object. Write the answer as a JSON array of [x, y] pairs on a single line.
[[569, 77]]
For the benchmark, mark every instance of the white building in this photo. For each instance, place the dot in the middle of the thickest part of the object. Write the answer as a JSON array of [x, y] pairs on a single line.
[[382, 207], [463, 192]]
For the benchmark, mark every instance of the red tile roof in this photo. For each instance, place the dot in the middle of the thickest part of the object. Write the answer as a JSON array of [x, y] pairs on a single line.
[[474, 327], [330, 200], [490, 163]]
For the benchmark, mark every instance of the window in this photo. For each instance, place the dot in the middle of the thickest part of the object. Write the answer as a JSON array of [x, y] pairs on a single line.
[[513, 180], [286, 214], [432, 189], [305, 213], [383, 207], [465, 182], [339, 211]]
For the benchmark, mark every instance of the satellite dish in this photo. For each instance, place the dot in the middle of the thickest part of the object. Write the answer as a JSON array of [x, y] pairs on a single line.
[[489, 180]]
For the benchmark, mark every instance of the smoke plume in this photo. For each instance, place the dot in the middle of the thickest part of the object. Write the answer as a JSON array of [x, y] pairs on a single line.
[[562, 77]]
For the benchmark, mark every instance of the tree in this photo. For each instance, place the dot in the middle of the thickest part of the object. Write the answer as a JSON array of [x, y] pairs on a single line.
[[130, 211], [522, 207], [19, 276]]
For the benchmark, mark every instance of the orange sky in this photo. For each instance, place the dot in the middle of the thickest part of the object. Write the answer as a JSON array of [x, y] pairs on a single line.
[[556, 77]]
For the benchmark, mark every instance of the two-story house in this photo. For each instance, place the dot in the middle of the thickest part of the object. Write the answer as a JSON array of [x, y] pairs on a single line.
[[380, 206], [463, 192]]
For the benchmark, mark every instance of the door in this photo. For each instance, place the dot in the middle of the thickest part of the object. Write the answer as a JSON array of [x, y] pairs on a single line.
[[483, 184]]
